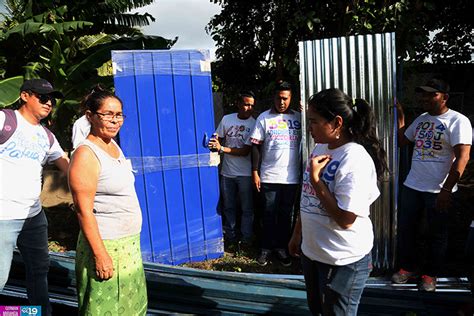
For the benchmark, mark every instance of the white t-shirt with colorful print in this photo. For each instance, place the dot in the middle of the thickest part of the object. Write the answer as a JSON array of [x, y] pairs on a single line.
[[236, 133], [434, 138], [22, 158], [351, 177], [280, 137]]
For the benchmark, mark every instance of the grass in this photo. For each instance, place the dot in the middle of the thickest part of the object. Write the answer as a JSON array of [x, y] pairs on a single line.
[[243, 259]]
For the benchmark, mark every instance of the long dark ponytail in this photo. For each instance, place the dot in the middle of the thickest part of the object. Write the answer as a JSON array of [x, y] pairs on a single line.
[[359, 121]]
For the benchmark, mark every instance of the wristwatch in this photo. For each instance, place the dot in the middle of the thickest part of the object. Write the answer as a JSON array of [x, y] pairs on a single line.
[[221, 150]]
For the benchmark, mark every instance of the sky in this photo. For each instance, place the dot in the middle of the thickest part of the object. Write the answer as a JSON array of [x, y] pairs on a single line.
[[186, 19]]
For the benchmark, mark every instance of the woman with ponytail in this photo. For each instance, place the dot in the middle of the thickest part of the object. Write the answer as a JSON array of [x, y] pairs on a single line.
[[334, 234]]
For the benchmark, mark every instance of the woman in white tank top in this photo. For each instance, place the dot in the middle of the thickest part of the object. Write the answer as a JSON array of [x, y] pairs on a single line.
[[109, 269]]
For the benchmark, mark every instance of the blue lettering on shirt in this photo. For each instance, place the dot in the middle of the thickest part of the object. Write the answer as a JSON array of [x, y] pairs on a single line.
[[330, 170], [23, 147]]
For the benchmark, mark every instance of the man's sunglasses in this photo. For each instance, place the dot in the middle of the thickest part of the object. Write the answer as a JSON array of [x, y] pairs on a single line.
[[44, 98]]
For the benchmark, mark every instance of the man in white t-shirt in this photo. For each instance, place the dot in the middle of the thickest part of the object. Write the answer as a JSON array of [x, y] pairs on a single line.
[[441, 140], [276, 164], [80, 129], [23, 154], [236, 181], [469, 246]]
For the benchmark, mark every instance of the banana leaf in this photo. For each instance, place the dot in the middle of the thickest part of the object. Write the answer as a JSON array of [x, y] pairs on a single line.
[[10, 90], [101, 53], [29, 27]]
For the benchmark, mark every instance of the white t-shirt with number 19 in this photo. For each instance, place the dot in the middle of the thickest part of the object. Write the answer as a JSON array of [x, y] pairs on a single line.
[[351, 177], [279, 135]]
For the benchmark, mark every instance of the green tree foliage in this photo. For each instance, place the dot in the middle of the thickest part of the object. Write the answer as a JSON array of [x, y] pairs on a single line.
[[69, 44], [257, 40]]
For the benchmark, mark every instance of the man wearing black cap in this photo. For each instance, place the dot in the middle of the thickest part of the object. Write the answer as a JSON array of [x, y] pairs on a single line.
[[25, 148], [442, 141]]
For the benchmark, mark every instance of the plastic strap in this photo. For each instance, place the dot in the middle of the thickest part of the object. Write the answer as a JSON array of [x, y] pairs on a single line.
[[149, 164]]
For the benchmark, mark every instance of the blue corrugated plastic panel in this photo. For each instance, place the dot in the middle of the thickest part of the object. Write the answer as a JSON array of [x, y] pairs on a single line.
[[167, 98], [204, 118]]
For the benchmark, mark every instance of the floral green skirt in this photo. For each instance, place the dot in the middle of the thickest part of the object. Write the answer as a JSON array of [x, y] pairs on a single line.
[[123, 294]]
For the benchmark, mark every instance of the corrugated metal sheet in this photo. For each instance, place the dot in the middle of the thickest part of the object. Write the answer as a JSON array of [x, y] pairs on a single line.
[[364, 67], [167, 98]]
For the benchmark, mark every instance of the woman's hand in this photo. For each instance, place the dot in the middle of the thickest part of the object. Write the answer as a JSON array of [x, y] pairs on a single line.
[[104, 266], [294, 246], [316, 167]]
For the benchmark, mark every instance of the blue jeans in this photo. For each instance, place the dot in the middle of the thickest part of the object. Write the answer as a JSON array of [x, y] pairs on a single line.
[[31, 237], [231, 189], [335, 290], [412, 205], [278, 201]]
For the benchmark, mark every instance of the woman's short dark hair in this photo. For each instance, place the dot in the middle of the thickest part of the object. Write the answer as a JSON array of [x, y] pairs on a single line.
[[93, 101]]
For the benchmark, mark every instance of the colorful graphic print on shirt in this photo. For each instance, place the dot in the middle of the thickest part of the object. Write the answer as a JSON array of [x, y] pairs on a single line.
[[284, 132], [236, 135], [429, 141]]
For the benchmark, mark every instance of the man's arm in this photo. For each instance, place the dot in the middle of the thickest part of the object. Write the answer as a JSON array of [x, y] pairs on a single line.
[[62, 163], [256, 165], [402, 139], [216, 143], [244, 151], [461, 154]]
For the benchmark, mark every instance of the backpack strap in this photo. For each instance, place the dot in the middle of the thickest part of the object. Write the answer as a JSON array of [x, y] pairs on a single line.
[[10, 125], [50, 136]]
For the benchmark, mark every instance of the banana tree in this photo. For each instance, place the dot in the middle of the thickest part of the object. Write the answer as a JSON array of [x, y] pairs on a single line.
[[54, 44]]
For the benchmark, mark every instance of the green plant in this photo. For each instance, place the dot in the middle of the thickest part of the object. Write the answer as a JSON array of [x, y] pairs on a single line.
[[257, 40], [69, 44]]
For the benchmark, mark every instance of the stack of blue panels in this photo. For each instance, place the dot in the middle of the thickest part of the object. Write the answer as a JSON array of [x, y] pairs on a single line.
[[167, 98]]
